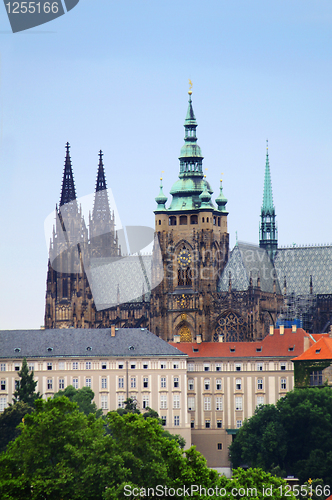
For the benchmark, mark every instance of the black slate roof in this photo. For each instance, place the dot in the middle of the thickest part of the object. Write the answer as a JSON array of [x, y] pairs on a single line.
[[83, 342]]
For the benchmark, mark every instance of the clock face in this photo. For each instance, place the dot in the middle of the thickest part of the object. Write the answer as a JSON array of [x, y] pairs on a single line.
[[184, 258]]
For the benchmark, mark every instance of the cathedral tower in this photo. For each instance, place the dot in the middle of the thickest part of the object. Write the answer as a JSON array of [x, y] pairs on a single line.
[[268, 237], [194, 243]]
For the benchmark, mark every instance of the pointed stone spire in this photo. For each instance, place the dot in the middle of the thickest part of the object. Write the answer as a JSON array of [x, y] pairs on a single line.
[[268, 237], [191, 156], [101, 209], [68, 192]]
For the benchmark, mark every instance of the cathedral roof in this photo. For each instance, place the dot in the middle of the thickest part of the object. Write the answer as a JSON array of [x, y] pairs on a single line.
[[299, 263], [248, 262], [71, 342]]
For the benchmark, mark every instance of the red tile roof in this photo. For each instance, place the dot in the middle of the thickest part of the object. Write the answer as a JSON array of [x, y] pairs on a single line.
[[275, 345], [320, 350]]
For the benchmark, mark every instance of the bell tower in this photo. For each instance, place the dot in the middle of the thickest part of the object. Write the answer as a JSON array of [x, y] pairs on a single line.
[[194, 243]]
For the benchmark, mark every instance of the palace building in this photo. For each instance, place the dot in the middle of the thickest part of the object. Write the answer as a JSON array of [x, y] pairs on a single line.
[[205, 292]]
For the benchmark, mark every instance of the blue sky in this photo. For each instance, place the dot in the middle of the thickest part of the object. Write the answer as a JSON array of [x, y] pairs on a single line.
[[114, 76]]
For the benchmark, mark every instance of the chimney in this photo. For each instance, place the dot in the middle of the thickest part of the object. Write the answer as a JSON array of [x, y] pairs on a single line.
[[282, 329], [306, 343], [294, 328], [176, 338], [199, 339], [112, 330], [271, 329]]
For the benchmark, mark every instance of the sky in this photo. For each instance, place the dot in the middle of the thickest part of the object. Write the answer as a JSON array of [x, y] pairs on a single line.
[[114, 76]]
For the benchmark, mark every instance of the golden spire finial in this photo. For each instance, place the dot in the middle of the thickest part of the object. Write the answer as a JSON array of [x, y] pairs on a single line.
[[222, 173], [267, 144], [190, 87], [161, 176]]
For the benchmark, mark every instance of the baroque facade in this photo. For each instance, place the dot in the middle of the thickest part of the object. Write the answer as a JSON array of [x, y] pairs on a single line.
[[205, 291]]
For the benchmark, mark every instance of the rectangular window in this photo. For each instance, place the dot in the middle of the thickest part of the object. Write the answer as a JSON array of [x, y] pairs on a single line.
[[192, 424], [176, 421], [61, 384], [163, 366], [17, 385], [121, 401], [132, 366], [145, 366], [176, 382], [207, 424], [176, 401], [49, 366], [207, 384], [103, 365], [104, 383], [238, 424], [283, 384], [145, 401], [88, 382], [206, 367], [75, 365], [49, 384], [145, 382], [218, 367], [260, 400], [104, 402], [282, 366], [176, 366], [219, 404], [207, 404], [2, 367], [238, 384], [259, 384], [75, 383], [316, 378], [133, 382], [163, 402], [219, 424], [191, 404], [190, 367], [32, 367], [3, 385], [3, 403], [190, 384], [163, 420], [120, 366], [17, 368], [163, 382], [238, 403], [259, 367], [219, 446], [121, 382], [88, 365], [61, 365], [238, 367], [218, 384]]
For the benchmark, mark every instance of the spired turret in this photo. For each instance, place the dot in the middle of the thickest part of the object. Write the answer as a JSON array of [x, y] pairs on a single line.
[[268, 234]]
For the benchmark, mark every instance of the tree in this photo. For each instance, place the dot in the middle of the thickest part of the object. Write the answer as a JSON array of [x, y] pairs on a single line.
[[9, 420], [25, 391], [83, 397], [294, 436]]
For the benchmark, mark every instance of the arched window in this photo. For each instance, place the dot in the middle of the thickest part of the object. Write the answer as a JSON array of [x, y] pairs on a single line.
[[194, 219], [172, 220], [202, 219], [65, 288], [183, 220]]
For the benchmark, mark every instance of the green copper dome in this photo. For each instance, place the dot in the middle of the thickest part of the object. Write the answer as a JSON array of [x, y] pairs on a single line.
[[161, 198], [221, 200]]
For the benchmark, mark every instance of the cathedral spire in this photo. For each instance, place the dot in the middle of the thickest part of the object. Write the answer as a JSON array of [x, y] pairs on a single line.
[[268, 237], [101, 209], [191, 155], [68, 192]]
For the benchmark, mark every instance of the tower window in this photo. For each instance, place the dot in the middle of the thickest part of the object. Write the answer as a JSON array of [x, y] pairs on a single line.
[[159, 222], [183, 220], [207, 219], [218, 221], [172, 220], [194, 219], [203, 219]]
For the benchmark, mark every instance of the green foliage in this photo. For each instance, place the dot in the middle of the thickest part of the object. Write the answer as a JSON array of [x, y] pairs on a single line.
[[26, 390], [83, 397], [294, 437], [9, 420], [303, 369]]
